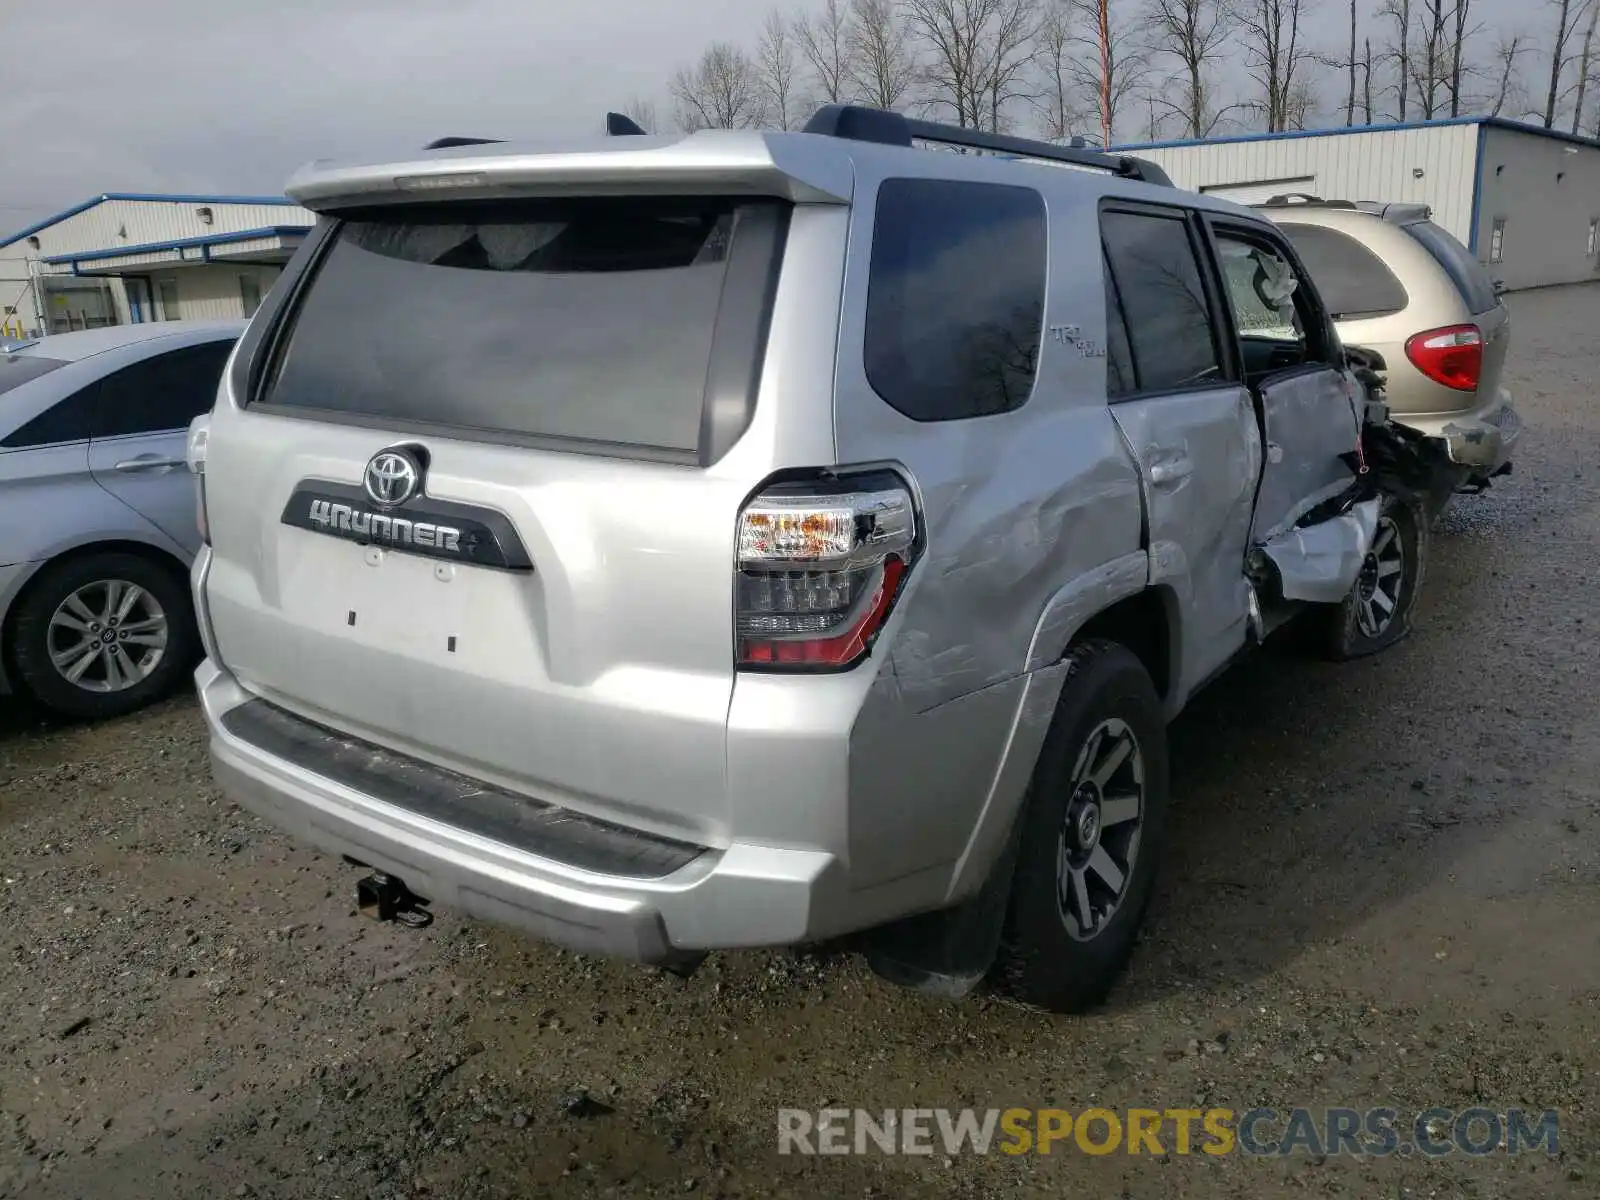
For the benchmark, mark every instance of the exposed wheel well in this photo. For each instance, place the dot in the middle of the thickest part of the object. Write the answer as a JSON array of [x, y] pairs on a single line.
[[1142, 623]]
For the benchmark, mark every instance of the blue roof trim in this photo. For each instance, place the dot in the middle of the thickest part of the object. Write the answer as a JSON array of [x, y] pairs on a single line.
[[158, 197], [213, 239], [1344, 130]]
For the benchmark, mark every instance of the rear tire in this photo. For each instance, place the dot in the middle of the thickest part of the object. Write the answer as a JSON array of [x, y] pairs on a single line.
[[1091, 836], [103, 634], [1378, 611]]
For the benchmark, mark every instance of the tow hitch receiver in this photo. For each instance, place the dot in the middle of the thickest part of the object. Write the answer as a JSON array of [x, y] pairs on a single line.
[[384, 898]]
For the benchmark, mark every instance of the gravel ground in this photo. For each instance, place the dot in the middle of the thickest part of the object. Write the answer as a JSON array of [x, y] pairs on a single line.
[[1382, 891]]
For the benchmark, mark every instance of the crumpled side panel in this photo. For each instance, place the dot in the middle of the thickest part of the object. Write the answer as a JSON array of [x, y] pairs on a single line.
[[1319, 563]]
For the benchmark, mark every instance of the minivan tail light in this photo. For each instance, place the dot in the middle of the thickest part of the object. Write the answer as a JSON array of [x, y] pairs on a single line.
[[195, 456], [1452, 356], [819, 569]]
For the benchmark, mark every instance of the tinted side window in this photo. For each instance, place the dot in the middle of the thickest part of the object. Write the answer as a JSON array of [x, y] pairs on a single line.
[[1168, 314], [1471, 280], [164, 392], [1352, 281], [69, 420], [1120, 377], [955, 297]]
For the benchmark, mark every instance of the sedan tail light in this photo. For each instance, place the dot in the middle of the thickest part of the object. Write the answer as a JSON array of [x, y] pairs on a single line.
[[1452, 356], [819, 569]]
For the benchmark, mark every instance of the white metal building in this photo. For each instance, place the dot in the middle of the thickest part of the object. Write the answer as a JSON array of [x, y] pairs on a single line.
[[1524, 199], [122, 258]]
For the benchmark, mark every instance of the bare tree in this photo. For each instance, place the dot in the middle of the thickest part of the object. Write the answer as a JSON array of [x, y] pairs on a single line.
[[1350, 101], [1458, 52], [721, 91], [1430, 59], [1061, 74], [1195, 33], [1569, 14], [1399, 12], [1585, 62], [824, 41], [643, 112], [1299, 105], [1509, 91], [1366, 81], [978, 55], [1092, 60], [1273, 51], [777, 71], [881, 65]]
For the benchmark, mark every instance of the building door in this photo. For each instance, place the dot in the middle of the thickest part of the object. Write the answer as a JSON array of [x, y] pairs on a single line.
[[167, 290], [139, 307]]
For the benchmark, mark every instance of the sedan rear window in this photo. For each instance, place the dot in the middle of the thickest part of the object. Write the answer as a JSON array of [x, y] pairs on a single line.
[[14, 372], [592, 320], [1353, 282]]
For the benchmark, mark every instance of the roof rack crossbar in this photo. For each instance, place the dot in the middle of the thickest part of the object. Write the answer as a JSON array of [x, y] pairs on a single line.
[[863, 124]]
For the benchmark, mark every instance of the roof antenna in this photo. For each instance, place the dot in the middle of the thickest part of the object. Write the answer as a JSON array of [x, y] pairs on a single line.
[[618, 125]]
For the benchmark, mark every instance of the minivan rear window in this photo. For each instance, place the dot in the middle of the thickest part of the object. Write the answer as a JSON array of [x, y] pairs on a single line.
[[592, 320], [14, 372], [1470, 279], [1353, 282]]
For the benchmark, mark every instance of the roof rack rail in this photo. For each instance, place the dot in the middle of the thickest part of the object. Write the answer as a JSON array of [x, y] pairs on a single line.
[[446, 143], [1285, 199], [619, 125], [861, 124]]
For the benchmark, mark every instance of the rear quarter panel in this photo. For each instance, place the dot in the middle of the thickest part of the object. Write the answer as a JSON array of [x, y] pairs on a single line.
[[1016, 508]]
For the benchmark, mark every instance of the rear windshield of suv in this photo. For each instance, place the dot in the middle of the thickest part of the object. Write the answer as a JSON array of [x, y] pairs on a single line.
[[14, 372], [1470, 279], [584, 319], [1354, 283]]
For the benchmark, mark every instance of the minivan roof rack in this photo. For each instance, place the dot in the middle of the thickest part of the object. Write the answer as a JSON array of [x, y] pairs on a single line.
[[1302, 199], [446, 143], [861, 124]]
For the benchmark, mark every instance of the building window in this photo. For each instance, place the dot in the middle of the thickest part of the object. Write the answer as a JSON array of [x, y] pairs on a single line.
[[1594, 235], [1497, 241], [249, 294], [167, 293]]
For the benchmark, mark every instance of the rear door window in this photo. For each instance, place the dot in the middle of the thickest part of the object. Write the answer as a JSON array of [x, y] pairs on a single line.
[[590, 320], [1169, 316], [163, 392], [1469, 277], [955, 297], [1354, 283]]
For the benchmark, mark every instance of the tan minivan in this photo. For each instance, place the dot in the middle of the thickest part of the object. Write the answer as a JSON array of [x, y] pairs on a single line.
[[1400, 284]]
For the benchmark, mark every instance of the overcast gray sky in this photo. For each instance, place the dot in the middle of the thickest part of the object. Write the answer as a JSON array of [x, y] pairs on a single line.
[[232, 95]]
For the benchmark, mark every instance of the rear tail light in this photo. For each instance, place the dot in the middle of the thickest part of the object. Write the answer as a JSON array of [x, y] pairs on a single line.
[[820, 568], [195, 455], [1451, 356]]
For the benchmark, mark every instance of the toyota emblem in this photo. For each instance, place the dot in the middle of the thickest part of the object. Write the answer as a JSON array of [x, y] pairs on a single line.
[[393, 477]]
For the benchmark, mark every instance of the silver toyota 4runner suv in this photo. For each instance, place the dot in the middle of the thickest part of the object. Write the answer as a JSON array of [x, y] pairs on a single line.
[[669, 544]]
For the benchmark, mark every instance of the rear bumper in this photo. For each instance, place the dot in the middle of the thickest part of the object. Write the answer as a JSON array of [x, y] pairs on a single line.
[[723, 897], [1482, 442]]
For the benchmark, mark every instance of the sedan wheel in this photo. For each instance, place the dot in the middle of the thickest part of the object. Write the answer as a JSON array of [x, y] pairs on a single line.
[[103, 634], [108, 636]]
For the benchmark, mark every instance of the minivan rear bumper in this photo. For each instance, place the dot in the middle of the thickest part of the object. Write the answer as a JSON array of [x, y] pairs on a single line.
[[1482, 441], [735, 896]]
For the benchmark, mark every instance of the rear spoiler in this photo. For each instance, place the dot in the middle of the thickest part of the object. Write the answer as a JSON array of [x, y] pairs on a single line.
[[785, 166]]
